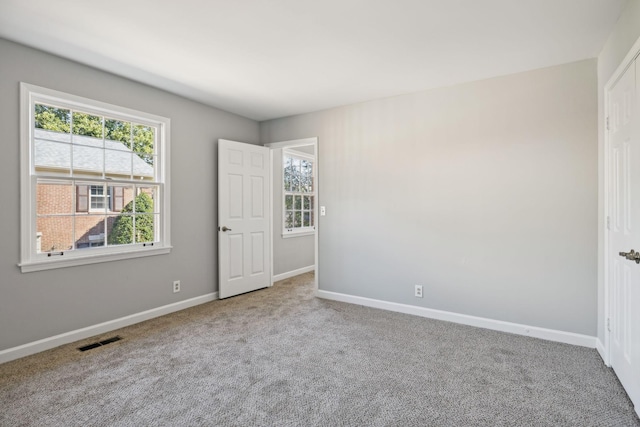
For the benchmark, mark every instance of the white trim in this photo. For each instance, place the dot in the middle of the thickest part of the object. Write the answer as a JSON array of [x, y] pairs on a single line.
[[299, 154], [316, 208], [101, 328], [480, 322], [293, 143], [293, 273], [57, 262], [624, 64], [617, 74], [605, 229], [601, 351], [299, 233], [271, 257]]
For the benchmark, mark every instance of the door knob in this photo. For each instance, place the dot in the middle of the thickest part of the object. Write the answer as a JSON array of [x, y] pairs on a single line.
[[224, 228], [631, 256]]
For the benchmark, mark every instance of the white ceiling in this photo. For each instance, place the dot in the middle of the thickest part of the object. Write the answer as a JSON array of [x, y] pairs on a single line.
[[265, 59]]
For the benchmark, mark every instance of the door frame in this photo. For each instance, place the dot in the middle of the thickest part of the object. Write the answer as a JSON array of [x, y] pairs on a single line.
[[605, 351], [291, 144]]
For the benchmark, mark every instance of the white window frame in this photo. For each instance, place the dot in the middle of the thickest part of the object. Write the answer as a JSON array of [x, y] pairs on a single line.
[[31, 259], [300, 231], [103, 197]]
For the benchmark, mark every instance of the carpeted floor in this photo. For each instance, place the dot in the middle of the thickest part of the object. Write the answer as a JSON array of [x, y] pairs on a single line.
[[280, 357]]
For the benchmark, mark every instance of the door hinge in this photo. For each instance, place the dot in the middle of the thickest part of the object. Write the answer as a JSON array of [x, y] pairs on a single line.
[[609, 324], [607, 123], [608, 223]]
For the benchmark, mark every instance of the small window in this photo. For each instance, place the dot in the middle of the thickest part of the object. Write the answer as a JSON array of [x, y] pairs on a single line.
[[94, 181], [299, 193], [98, 198]]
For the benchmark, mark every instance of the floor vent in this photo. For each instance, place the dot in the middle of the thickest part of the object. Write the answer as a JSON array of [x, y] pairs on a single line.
[[99, 343]]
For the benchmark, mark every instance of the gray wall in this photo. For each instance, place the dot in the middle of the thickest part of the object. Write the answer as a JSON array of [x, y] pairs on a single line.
[[42, 304], [294, 252], [624, 35], [484, 193]]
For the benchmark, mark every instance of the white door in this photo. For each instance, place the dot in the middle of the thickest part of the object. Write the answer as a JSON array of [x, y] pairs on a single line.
[[624, 234], [244, 212]]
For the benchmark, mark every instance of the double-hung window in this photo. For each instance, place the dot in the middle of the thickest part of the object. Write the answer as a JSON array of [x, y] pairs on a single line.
[[98, 198], [299, 193], [94, 181]]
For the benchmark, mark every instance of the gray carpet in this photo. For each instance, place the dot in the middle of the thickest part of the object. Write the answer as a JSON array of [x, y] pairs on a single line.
[[280, 357]]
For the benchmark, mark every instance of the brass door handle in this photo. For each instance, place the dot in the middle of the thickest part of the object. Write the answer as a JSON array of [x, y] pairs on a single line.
[[631, 256], [224, 228]]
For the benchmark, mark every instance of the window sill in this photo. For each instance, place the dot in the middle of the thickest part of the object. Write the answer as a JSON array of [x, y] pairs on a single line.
[[56, 262], [298, 234]]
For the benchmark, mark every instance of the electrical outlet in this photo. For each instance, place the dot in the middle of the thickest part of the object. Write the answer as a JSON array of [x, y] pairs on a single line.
[[418, 291], [176, 286]]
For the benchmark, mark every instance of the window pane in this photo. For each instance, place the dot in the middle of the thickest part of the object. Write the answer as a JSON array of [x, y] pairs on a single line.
[[308, 177], [296, 175], [311, 202], [288, 202], [288, 219], [52, 118], [145, 199], [306, 203], [303, 175], [97, 190], [54, 198], [87, 125], [298, 202], [143, 139], [143, 165], [97, 203], [137, 228], [287, 178], [51, 155], [120, 229], [297, 219], [89, 231], [144, 228], [305, 219], [54, 233], [118, 163], [87, 159], [117, 130], [119, 197]]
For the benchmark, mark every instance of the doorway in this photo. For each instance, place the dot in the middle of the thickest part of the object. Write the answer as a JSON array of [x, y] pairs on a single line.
[[294, 208]]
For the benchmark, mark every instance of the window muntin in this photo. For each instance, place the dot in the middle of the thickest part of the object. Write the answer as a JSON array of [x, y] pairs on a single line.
[[94, 180], [299, 192]]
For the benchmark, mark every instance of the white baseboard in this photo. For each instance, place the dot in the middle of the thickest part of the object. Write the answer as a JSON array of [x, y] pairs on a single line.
[[292, 273], [101, 328], [481, 322]]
